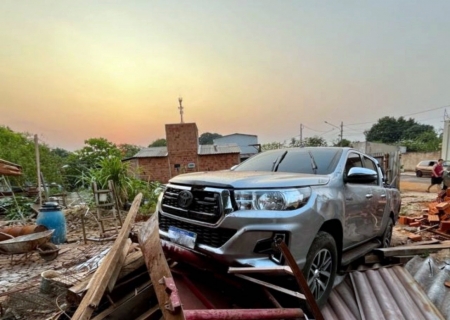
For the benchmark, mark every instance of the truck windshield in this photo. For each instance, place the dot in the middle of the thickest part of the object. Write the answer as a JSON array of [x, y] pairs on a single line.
[[295, 160]]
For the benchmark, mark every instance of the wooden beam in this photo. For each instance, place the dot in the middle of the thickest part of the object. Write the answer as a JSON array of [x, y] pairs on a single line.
[[101, 278], [119, 265], [157, 266], [412, 250], [272, 286]]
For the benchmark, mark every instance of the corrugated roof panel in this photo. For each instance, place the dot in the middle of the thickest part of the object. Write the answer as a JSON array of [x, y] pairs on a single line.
[[385, 293], [431, 275], [151, 152], [218, 149]]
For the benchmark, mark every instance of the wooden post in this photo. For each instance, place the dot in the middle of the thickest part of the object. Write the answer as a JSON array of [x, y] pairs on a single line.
[[38, 168]]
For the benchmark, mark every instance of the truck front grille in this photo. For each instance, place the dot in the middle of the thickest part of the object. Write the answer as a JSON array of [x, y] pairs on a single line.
[[213, 237], [205, 206]]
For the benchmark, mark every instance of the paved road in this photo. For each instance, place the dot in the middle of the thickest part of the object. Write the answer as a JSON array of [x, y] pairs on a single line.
[[411, 177]]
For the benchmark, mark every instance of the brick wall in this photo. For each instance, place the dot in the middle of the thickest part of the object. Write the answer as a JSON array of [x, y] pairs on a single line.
[[217, 161], [151, 169], [182, 146]]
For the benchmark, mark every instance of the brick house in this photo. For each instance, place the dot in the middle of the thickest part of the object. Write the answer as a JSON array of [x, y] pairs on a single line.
[[183, 154]]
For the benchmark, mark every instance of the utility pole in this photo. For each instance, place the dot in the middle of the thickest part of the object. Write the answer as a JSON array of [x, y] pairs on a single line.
[[180, 100], [342, 132], [301, 135]]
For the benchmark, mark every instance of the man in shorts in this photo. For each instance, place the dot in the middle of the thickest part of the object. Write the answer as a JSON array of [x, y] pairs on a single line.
[[436, 174]]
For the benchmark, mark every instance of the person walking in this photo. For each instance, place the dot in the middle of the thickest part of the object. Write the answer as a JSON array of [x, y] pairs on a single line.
[[436, 174]]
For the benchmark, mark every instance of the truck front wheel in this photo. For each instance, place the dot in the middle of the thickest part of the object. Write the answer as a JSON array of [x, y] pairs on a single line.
[[321, 266]]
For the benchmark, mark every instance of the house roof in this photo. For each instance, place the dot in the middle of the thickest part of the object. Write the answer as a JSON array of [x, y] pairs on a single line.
[[152, 152], [238, 134], [207, 149]]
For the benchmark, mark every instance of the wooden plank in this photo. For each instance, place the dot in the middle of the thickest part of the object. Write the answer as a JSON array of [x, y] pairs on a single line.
[[103, 274], [119, 265], [157, 266], [263, 270], [272, 286], [411, 250]]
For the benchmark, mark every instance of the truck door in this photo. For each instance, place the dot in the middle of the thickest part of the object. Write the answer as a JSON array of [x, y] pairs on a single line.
[[360, 218], [379, 200]]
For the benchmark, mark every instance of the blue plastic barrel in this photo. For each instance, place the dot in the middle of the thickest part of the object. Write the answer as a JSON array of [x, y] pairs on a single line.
[[51, 216]]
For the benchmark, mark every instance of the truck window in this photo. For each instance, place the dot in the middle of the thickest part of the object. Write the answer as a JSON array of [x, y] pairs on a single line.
[[369, 164], [353, 160]]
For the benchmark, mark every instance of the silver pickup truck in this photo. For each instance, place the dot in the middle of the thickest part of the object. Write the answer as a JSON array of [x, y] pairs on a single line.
[[330, 205]]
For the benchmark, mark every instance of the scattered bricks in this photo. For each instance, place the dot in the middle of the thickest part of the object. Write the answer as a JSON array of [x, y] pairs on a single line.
[[415, 237], [444, 226], [445, 217], [432, 208], [442, 206], [415, 224], [403, 220], [433, 219], [448, 192]]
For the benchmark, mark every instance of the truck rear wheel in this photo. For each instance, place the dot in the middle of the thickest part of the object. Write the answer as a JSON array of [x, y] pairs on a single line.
[[321, 266]]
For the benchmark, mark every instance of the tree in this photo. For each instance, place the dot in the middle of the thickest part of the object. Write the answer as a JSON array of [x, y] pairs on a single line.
[[314, 141], [20, 148], [343, 143], [392, 130], [208, 138], [128, 150], [272, 146], [158, 143]]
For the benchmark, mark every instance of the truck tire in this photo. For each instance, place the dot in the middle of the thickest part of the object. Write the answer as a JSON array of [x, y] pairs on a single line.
[[321, 266], [387, 234], [419, 173]]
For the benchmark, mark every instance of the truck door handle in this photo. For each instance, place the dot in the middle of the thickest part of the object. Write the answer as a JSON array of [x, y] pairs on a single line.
[[369, 196], [383, 196]]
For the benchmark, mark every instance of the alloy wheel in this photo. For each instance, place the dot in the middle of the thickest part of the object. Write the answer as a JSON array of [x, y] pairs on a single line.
[[320, 273]]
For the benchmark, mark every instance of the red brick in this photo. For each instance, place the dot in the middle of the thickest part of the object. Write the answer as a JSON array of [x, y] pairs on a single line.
[[414, 224], [403, 220], [443, 205], [415, 237], [444, 226]]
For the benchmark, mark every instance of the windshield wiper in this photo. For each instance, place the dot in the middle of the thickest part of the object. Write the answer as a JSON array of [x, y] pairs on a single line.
[[277, 162], [313, 163]]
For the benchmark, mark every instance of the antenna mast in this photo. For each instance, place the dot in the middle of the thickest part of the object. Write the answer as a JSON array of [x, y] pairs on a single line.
[[180, 100]]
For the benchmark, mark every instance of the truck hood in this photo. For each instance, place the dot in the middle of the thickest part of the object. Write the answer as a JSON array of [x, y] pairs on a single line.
[[249, 179]]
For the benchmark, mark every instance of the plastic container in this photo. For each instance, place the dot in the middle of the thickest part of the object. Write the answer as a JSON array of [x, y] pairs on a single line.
[[51, 216]]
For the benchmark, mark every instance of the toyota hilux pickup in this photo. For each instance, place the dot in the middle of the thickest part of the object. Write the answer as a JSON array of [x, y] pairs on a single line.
[[330, 205]]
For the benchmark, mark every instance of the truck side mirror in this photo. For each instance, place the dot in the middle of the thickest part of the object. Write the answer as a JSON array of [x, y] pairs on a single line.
[[360, 175]]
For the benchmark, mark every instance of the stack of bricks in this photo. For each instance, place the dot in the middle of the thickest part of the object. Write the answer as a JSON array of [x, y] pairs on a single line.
[[439, 212]]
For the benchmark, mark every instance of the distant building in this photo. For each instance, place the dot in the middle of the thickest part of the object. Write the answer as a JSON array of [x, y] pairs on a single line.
[[247, 143], [183, 154]]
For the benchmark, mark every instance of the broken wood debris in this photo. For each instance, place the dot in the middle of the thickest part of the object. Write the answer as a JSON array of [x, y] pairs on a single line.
[[102, 276]]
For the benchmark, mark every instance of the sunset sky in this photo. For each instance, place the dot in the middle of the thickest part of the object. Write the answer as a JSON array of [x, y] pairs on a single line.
[[73, 70]]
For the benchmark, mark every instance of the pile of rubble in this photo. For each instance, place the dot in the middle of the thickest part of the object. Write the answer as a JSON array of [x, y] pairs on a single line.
[[435, 219]]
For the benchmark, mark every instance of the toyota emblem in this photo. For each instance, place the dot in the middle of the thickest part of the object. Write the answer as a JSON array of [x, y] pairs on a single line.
[[185, 199]]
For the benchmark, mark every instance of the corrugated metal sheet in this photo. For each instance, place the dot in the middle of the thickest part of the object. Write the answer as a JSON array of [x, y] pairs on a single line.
[[242, 140], [218, 149], [385, 293], [431, 275], [151, 152]]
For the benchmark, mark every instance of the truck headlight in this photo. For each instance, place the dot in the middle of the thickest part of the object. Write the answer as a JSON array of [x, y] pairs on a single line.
[[278, 200]]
